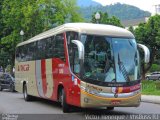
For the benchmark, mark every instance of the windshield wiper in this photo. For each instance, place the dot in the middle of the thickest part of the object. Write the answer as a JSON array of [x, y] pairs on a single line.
[[123, 69]]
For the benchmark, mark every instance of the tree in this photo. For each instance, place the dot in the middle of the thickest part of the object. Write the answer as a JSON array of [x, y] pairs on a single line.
[[72, 11], [57, 12], [105, 19], [149, 34], [131, 29], [33, 17], [3, 56], [17, 15], [1, 22]]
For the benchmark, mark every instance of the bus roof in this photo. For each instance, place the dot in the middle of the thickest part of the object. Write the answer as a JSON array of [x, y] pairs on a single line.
[[86, 28]]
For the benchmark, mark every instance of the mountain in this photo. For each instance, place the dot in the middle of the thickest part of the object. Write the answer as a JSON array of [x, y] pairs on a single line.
[[122, 11], [87, 3]]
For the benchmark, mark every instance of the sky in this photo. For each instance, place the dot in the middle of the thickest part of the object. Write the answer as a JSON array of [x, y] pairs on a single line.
[[147, 5]]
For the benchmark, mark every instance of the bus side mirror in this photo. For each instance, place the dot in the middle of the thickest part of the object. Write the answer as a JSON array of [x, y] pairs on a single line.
[[146, 53], [80, 49]]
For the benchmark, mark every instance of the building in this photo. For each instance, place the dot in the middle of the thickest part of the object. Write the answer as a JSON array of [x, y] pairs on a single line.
[[157, 9]]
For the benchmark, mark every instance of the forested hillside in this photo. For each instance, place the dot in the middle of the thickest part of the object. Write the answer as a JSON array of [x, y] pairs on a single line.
[[122, 11]]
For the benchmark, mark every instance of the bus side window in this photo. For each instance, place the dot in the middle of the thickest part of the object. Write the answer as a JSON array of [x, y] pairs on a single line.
[[73, 51], [33, 50], [76, 68], [59, 47], [49, 48], [70, 51], [30, 51], [24, 53], [41, 46], [21, 55]]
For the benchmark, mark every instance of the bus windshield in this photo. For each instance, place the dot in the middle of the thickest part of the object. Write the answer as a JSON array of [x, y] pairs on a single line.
[[110, 59]]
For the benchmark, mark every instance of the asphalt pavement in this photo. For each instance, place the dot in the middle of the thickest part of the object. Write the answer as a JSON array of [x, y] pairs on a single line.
[[12, 105]]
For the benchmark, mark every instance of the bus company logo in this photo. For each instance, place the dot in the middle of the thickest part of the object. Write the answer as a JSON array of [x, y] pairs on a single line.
[[23, 67]]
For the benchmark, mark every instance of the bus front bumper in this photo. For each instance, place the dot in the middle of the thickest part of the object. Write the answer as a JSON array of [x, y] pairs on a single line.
[[89, 100]]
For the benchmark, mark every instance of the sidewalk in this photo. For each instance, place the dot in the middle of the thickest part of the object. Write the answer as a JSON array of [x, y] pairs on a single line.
[[151, 99]]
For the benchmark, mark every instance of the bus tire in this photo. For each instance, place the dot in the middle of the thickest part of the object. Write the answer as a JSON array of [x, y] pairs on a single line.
[[65, 106], [25, 94], [110, 108]]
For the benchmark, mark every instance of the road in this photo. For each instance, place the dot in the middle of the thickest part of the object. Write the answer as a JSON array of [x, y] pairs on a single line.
[[13, 103]]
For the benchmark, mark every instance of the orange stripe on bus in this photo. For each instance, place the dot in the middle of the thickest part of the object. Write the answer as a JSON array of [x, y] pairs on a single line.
[[120, 89]]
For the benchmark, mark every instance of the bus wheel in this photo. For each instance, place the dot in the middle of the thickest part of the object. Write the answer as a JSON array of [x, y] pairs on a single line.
[[25, 94], [62, 99], [110, 108]]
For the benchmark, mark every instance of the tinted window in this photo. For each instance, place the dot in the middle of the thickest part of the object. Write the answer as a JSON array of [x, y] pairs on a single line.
[[30, 55], [73, 51], [26, 52], [50, 45], [21, 53], [98, 62], [41, 46], [59, 47], [43, 49]]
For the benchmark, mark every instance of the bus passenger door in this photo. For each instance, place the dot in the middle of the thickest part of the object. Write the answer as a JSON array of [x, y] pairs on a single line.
[[74, 66], [76, 71]]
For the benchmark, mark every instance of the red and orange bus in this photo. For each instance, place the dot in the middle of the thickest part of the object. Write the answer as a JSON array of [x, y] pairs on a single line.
[[81, 64]]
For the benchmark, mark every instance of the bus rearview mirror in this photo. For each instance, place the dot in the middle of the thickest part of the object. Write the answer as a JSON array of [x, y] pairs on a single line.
[[146, 52], [80, 48]]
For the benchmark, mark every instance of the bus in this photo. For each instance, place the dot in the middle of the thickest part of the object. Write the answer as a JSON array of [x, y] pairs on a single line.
[[81, 64]]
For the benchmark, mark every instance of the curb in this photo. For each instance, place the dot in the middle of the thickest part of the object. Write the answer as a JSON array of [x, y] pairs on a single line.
[[150, 99]]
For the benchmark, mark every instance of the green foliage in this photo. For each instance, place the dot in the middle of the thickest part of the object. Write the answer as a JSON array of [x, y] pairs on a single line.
[[131, 29], [140, 33], [1, 22], [105, 19], [154, 68], [157, 85], [9, 69], [4, 59], [149, 34], [72, 11], [33, 17], [150, 87]]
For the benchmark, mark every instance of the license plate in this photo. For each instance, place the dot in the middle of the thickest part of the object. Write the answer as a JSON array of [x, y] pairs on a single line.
[[115, 102]]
